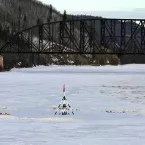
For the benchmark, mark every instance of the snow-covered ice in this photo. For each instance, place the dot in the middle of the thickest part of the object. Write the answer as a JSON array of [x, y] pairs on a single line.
[[109, 104]]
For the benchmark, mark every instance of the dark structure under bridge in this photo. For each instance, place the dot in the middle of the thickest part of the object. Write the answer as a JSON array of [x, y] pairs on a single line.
[[83, 36]]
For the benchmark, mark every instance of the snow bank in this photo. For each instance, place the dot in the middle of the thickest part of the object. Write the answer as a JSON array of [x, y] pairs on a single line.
[[52, 119], [88, 69]]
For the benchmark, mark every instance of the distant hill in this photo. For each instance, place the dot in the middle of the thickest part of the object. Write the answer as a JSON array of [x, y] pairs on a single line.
[[118, 23], [20, 14]]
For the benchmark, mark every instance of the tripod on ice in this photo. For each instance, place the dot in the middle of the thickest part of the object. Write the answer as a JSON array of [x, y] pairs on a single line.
[[64, 108]]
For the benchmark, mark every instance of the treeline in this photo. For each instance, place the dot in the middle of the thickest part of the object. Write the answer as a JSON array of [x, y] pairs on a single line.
[[16, 15], [25, 13], [79, 17]]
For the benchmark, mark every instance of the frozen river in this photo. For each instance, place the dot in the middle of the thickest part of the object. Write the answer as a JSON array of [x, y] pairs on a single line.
[[30, 95]]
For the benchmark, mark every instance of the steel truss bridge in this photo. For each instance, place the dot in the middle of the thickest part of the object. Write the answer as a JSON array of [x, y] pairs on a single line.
[[83, 36]]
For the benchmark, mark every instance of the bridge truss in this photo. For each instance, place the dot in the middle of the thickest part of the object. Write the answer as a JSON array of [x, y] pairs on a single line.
[[85, 36]]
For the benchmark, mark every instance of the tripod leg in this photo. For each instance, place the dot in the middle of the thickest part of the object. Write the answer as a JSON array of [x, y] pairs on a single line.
[[56, 111]]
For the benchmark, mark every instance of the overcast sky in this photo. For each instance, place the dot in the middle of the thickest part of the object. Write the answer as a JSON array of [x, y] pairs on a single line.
[[105, 8]]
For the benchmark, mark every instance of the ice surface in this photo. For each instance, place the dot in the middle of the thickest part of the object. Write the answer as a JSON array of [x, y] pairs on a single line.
[[30, 94]]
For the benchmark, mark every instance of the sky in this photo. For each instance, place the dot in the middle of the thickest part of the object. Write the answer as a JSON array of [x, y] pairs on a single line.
[[106, 8]]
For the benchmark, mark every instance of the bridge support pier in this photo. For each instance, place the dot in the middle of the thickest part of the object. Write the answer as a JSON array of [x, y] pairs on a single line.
[[76, 59], [93, 57], [1, 63], [38, 59], [32, 60]]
